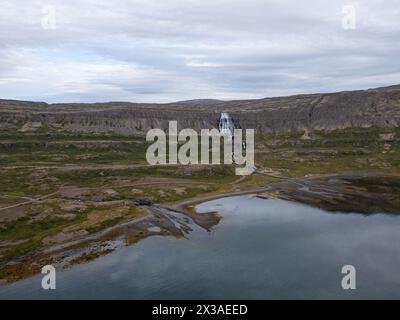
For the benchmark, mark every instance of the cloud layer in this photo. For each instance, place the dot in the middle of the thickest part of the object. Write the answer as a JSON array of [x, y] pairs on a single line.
[[168, 50]]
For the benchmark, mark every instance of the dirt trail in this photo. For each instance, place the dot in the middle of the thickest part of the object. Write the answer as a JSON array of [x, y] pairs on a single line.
[[151, 183], [30, 201], [74, 167], [111, 187]]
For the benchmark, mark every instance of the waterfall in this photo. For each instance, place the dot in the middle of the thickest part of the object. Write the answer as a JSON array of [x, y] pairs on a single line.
[[226, 125], [226, 128]]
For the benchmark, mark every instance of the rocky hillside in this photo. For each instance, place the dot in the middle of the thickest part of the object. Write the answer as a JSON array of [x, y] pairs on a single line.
[[365, 108]]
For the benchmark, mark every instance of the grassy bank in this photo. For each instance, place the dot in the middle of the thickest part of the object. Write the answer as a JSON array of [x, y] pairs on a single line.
[[93, 182]]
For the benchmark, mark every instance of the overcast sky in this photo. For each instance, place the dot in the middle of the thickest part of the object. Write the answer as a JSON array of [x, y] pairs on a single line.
[[169, 50]]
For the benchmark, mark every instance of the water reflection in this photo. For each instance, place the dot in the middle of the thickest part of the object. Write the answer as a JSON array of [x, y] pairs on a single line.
[[261, 249]]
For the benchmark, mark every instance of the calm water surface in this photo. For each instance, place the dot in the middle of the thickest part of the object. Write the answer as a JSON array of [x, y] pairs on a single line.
[[261, 249]]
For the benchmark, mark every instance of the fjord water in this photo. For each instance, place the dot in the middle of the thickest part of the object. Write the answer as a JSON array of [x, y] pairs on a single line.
[[261, 249]]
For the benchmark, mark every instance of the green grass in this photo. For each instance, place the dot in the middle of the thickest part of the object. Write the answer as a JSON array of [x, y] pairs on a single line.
[[349, 150], [24, 229]]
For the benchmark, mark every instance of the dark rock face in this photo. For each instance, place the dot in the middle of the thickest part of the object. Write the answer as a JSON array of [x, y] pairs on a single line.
[[375, 107]]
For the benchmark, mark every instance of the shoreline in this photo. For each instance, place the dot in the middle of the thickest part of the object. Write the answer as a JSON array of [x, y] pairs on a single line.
[[334, 192], [154, 222]]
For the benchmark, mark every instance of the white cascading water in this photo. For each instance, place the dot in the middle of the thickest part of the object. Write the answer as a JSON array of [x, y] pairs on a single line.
[[226, 125], [226, 128]]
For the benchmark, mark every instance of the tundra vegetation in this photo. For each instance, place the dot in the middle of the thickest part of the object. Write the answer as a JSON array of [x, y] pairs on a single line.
[[59, 187]]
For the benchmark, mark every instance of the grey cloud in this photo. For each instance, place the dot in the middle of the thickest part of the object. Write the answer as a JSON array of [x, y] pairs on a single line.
[[174, 50]]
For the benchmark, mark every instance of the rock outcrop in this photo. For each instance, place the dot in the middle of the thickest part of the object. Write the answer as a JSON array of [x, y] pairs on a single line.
[[364, 108]]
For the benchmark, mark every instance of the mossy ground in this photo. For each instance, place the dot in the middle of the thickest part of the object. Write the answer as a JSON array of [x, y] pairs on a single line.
[[349, 150], [101, 168]]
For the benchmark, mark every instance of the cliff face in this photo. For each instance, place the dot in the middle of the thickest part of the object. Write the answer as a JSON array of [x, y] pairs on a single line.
[[375, 107]]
